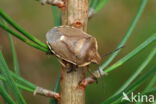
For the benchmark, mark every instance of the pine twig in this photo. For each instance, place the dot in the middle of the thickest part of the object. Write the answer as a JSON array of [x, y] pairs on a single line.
[[47, 93], [58, 3]]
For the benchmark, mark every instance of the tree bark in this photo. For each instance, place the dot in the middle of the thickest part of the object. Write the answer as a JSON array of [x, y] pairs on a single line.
[[75, 13]]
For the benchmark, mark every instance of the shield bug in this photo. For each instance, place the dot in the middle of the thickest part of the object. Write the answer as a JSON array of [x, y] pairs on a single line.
[[73, 46]]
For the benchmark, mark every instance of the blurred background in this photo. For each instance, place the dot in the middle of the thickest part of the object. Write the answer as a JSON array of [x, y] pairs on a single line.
[[108, 26]]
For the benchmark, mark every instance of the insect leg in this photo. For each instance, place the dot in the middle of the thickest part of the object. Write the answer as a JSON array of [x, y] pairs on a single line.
[[94, 77], [71, 68]]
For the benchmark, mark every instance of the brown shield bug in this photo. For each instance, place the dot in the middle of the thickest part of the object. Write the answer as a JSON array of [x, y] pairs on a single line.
[[73, 46]]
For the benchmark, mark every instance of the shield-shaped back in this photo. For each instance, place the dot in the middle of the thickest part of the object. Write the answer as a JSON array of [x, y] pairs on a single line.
[[73, 45]]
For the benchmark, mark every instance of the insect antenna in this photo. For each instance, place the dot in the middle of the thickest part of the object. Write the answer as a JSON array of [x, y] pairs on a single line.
[[109, 53], [94, 77]]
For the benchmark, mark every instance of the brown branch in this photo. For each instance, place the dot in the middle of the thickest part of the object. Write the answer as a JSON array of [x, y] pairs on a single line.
[[74, 14], [47, 93]]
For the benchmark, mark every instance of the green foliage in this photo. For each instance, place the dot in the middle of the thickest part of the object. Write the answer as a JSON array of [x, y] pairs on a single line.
[[127, 34], [131, 54], [97, 5], [5, 71], [57, 22], [22, 84], [56, 16], [56, 89], [8, 19], [13, 51], [14, 56], [16, 82], [117, 98], [31, 41], [23, 38], [5, 95], [151, 84], [138, 71]]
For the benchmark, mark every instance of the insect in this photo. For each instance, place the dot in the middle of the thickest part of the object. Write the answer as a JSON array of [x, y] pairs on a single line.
[[72, 45]]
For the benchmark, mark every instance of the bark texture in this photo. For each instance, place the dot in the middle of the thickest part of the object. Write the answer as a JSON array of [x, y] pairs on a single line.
[[75, 13]]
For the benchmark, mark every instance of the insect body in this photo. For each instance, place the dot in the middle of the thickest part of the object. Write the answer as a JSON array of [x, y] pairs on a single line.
[[73, 45]]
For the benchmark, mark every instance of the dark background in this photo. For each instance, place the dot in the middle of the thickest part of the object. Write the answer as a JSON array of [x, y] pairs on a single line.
[[108, 26]]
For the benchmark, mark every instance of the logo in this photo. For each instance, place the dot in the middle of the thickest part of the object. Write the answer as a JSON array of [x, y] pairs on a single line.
[[137, 97]]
